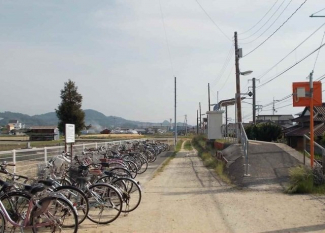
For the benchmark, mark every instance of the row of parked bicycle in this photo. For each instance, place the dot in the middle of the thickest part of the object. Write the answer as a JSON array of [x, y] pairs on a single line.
[[99, 185]]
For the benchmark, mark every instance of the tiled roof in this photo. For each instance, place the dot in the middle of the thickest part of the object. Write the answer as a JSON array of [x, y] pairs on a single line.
[[300, 131], [44, 127], [319, 114]]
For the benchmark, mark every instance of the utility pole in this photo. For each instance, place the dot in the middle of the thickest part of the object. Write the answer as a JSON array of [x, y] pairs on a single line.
[[197, 121], [311, 110], [227, 121], [217, 97], [175, 139], [209, 95], [254, 102], [185, 124], [200, 117], [238, 100], [273, 110]]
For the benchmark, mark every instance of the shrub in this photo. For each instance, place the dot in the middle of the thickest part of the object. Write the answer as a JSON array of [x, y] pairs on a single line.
[[264, 132], [319, 178], [301, 180]]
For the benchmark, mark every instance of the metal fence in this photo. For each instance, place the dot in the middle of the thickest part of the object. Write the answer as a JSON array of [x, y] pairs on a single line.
[[317, 163], [245, 144], [29, 160]]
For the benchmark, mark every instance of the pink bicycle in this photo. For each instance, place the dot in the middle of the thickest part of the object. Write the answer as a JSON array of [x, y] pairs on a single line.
[[25, 209]]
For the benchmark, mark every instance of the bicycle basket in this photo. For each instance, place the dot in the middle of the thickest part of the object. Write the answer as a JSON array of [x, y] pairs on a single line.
[[75, 172], [42, 171]]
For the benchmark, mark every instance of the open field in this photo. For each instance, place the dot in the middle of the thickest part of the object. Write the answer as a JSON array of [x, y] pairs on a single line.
[[14, 138]]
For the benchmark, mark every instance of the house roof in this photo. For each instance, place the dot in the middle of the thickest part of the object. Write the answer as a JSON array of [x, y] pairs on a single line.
[[43, 127], [298, 130], [319, 114], [285, 117], [275, 115]]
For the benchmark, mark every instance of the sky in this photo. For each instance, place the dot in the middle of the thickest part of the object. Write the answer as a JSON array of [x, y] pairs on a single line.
[[123, 55]]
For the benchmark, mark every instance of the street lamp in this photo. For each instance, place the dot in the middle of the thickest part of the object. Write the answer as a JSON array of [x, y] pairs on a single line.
[[238, 100], [246, 72]]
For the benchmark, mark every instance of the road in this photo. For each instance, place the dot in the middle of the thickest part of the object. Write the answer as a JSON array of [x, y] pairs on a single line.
[[187, 197]]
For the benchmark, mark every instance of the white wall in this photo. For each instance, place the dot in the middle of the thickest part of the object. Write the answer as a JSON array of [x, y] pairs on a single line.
[[214, 124]]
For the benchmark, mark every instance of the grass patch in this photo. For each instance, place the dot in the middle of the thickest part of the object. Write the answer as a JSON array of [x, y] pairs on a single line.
[[305, 180], [188, 145], [167, 161], [206, 152], [23, 145]]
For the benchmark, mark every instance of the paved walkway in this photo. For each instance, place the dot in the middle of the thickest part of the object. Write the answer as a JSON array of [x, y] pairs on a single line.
[[187, 197], [269, 165]]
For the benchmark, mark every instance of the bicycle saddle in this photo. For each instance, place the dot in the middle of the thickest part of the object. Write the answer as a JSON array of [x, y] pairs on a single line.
[[33, 189], [46, 182]]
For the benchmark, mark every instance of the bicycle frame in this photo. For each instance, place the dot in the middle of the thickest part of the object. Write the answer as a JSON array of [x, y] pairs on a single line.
[[27, 219]]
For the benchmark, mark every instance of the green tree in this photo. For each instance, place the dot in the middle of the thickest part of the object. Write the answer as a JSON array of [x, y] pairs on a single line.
[[266, 131], [69, 111]]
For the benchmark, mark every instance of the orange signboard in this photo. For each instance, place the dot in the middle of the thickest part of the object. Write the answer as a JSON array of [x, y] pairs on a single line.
[[301, 91]]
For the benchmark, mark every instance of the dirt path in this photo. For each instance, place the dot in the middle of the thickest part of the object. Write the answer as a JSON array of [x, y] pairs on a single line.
[[187, 197]]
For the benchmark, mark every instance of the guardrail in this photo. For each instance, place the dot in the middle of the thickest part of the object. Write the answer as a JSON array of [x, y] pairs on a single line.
[[316, 162], [28, 160], [245, 144], [228, 135]]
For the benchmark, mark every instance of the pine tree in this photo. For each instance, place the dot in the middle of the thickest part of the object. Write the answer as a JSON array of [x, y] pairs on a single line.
[[69, 111]]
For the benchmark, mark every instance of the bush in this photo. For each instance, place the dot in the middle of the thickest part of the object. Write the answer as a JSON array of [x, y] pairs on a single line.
[[301, 180], [319, 178], [264, 132]]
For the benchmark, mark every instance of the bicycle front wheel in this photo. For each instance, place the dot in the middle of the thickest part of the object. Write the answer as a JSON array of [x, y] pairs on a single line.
[[16, 204], [54, 214], [105, 203], [78, 199], [2, 223]]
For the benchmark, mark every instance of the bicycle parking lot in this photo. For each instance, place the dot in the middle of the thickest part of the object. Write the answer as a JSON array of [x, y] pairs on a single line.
[[99, 181]]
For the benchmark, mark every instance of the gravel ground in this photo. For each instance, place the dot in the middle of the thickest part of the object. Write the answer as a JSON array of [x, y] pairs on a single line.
[[187, 197]]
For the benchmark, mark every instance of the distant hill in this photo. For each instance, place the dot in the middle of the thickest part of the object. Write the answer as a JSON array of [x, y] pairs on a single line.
[[97, 119]]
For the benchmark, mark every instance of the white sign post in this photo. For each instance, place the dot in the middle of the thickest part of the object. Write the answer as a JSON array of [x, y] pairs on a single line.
[[69, 137], [69, 133]]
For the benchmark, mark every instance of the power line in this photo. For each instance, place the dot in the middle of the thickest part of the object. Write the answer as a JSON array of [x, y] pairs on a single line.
[[280, 100], [269, 25], [261, 18], [278, 107], [163, 21], [227, 78], [291, 66], [321, 77], [292, 51], [225, 65], [268, 20], [318, 51], [276, 29], [212, 20], [317, 12]]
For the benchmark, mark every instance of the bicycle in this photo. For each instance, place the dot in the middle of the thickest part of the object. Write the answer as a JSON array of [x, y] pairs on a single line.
[[23, 210]]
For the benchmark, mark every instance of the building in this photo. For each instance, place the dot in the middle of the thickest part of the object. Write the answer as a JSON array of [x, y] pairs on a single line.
[[105, 131], [285, 121], [294, 134], [43, 133], [17, 125]]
